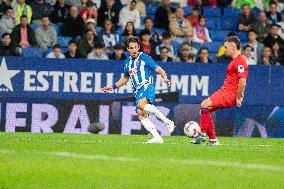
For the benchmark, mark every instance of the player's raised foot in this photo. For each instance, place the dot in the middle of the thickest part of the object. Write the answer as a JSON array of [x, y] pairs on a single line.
[[199, 139], [171, 126], [213, 143], [155, 140]]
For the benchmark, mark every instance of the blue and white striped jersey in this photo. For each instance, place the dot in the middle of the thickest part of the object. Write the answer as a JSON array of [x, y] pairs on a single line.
[[139, 70]]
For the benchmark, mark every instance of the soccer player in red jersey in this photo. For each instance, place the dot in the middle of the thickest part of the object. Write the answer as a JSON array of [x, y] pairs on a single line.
[[229, 95]]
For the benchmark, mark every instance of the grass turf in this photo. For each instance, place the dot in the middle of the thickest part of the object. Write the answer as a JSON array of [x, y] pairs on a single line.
[[115, 161]]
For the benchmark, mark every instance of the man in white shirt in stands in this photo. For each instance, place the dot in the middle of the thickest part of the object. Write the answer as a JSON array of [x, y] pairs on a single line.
[[247, 53], [56, 53], [130, 14]]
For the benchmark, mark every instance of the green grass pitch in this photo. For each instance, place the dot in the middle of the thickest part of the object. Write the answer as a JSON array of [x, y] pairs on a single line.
[[45, 161]]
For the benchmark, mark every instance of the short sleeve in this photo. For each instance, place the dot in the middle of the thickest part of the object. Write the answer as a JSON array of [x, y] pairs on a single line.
[[242, 68], [151, 63]]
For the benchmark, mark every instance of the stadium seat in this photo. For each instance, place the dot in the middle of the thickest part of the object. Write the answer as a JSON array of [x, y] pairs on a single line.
[[213, 47], [34, 26], [159, 30], [211, 12], [99, 29], [218, 35], [175, 45], [187, 10], [228, 24], [57, 28], [32, 52], [63, 41], [211, 23], [197, 45], [243, 36], [256, 11], [151, 8], [119, 31], [231, 12]]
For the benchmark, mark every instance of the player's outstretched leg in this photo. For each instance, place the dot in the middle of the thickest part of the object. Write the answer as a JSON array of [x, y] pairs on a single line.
[[150, 127], [149, 108]]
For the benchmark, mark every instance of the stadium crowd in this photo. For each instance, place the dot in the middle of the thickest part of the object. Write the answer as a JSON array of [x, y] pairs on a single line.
[[168, 32]]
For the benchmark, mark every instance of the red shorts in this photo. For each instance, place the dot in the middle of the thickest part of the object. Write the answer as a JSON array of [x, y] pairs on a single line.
[[222, 99]]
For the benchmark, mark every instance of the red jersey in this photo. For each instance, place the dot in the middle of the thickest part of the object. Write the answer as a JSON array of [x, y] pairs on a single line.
[[237, 69]]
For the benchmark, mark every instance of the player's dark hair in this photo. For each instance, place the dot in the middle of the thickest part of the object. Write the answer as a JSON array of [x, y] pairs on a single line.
[[234, 39], [132, 40]]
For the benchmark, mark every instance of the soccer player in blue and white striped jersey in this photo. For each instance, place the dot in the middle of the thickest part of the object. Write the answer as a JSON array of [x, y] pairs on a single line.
[[138, 68]]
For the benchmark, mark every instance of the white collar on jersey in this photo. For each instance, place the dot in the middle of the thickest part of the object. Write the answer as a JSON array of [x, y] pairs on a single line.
[[137, 56]]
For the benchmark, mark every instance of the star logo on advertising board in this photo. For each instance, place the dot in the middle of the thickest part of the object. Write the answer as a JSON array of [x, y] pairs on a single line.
[[6, 76]]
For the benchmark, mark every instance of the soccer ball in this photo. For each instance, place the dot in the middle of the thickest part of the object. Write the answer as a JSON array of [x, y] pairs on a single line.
[[191, 129]]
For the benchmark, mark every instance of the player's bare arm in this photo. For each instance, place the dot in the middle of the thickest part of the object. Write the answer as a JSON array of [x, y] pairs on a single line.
[[163, 74], [241, 90], [123, 80]]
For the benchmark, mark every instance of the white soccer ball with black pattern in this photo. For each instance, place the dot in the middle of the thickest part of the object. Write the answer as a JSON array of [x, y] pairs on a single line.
[[191, 129]]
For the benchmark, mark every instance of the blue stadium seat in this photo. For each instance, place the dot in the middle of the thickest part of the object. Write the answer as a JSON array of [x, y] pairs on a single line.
[[99, 29], [211, 12], [231, 12], [211, 23], [243, 36], [32, 52], [213, 47], [63, 41], [119, 31], [187, 10], [228, 24], [197, 45], [159, 30], [218, 35], [176, 45], [57, 28], [34, 26]]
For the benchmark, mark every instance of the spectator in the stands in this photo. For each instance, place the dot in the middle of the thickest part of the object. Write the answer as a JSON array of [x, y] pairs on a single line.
[[209, 3], [141, 7], [280, 5], [60, 11], [23, 35], [20, 9], [179, 25], [262, 26], [129, 31], [86, 44], [166, 42], [117, 3], [108, 10], [277, 54], [266, 58], [185, 55], [56, 52], [91, 25], [73, 25], [6, 48], [256, 46], [8, 21], [145, 45], [89, 11], [72, 50], [193, 3], [108, 37], [117, 53], [129, 13], [247, 51], [45, 34], [246, 18], [241, 3], [193, 17], [162, 15], [97, 53], [188, 42], [40, 8], [273, 37], [272, 15], [281, 26], [163, 57], [154, 37], [224, 3], [200, 32], [203, 55]]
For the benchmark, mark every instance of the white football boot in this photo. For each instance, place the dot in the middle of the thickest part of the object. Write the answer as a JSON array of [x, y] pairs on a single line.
[[155, 140], [171, 126]]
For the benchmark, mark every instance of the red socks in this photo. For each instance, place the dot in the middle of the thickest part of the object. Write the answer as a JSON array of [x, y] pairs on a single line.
[[206, 123]]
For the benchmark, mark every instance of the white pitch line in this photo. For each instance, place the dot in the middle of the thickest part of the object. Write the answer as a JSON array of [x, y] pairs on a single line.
[[253, 166]]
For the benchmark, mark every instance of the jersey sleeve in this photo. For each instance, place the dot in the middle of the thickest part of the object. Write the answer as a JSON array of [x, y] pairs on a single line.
[[242, 68], [151, 63], [126, 70]]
